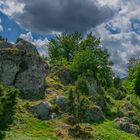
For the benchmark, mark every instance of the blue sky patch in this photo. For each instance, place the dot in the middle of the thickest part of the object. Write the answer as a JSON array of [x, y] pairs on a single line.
[[112, 29], [12, 30], [135, 25]]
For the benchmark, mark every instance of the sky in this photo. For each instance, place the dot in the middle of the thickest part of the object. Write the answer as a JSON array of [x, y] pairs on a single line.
[[115, 22]]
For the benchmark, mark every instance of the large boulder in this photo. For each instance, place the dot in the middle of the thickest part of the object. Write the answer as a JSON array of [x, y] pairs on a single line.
[[65, 75], [42, 110], [94, 114], [126, 124], [61, 101], [27, 47], [22, 67]]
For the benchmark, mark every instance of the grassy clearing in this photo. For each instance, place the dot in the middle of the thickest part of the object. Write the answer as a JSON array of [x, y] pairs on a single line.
[[108, 131], [26, 127]]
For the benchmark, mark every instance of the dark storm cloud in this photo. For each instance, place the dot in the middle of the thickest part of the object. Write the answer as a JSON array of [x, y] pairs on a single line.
[[62, 15]]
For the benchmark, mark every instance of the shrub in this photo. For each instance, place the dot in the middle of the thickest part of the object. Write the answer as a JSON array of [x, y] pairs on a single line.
[[7, 107]]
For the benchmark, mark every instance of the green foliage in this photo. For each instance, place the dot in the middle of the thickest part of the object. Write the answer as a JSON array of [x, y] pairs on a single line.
[[84, 62], [92, 79], [136, 120], [63, 47], [118, 92], [27, 127], [78, 104], [135, 100], [7, 106], [82, 56], [82, 131], [56, 109], [132, 81], [117, 82], [82, 85], [108, 131], [122, 90], [137, 84]]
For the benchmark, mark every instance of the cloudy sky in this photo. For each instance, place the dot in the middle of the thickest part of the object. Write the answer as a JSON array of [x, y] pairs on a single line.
[[116, 22]]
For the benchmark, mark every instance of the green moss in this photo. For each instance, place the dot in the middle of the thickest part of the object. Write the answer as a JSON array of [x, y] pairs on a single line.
[[53, 83], [12, 49]]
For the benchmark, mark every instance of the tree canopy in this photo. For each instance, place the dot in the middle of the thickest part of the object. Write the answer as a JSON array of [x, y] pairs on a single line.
[[82, 56]]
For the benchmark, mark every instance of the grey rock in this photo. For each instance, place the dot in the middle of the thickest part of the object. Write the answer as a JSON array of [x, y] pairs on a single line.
[[127, 107], [27, 47], [92, 87], [125, 124], [42, 110], [94, 114], [22, 67], [53, 115], [61, 101], [116, 119], [64, 76]]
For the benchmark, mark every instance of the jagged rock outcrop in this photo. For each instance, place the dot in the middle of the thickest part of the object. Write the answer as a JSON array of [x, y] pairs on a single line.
[[22, 67], [126, 124]]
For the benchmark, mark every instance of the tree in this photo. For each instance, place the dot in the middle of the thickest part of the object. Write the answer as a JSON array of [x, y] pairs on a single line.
[[117, 82], [7, 107], [83, 56], [91, 64], [137, 84], [78, 104], [63, 47], [132, 81]]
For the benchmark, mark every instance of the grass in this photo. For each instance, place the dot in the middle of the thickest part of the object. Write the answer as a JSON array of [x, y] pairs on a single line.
[[108, 131], [26, 127]]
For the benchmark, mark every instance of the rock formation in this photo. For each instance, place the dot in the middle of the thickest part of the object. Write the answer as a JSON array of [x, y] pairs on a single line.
[[42, 110], [22, 67]]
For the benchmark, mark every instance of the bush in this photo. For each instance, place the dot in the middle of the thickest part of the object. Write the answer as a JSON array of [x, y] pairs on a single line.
[[132, 81], [82, 131], [135, 100], [78, 104], [7, 107], [82, 56], [117, 94]]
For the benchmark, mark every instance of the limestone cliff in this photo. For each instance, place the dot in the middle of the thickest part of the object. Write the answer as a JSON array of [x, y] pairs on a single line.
[[22, 67]]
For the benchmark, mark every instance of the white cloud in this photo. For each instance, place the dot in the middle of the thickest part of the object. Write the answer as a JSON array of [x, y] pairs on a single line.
[[121, 46], [108, 2], [126, 44], [1, 27], [41, 44], [11, 7], [47, 16]]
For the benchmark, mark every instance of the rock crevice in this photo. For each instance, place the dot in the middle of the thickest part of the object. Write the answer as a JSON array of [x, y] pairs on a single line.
[[22, 67]]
